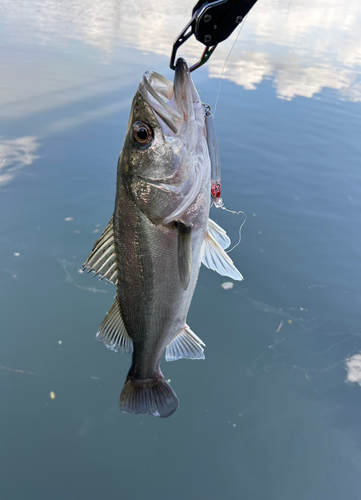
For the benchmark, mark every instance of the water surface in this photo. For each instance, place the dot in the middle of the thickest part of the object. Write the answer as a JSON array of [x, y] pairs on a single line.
[[273, 412]]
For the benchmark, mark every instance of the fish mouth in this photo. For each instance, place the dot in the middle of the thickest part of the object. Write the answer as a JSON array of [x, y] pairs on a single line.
[[178, 110], [172, 103]]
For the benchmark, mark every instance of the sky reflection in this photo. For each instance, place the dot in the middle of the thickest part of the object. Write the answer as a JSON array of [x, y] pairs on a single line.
[[14, 155], [353, 368], [301, 45]]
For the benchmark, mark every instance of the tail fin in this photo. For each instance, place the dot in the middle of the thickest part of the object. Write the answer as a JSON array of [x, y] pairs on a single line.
[[150, 396]]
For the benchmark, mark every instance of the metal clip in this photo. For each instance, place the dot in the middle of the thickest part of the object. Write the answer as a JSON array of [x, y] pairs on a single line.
[[188, 31], [212, 22]]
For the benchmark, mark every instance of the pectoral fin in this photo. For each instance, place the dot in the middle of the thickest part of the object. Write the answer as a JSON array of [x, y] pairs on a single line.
[[112, 332], [103, 260], [214, 257], [185, 345], [184, 253]]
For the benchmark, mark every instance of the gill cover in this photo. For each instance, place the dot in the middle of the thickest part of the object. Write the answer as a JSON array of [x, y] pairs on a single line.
[[165, 176]]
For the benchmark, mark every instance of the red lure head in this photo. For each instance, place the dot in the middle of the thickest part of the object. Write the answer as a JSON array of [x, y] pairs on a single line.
[[216, 190], [216, 193]]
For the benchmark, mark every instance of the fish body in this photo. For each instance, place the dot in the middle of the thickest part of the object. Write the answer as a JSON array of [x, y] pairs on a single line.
[[158, 236]]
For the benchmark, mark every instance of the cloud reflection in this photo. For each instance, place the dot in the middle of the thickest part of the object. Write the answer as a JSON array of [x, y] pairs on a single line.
[[353, 367], [14, 155], [302, 45], [86, 117]]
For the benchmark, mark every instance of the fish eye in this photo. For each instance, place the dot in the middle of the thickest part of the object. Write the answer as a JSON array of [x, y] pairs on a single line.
[[142, 133]]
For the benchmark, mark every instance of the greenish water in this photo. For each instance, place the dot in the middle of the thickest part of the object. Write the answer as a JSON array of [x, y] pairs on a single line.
[[273, 413]]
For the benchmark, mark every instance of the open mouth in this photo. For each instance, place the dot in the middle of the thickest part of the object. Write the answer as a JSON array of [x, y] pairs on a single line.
[[179, 112], [172, 103]]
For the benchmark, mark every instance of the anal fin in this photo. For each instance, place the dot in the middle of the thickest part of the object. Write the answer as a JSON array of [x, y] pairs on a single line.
[[185, 345], [112, 332]]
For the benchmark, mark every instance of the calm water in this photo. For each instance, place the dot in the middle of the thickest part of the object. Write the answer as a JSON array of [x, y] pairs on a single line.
[[273, 413]]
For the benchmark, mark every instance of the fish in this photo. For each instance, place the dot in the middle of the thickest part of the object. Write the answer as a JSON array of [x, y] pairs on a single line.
[[157, 238]]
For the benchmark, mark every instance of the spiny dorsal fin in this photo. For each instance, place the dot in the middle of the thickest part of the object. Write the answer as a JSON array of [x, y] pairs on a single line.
[[103, 260], [214, 257], [184, 253], [112, 332], [185, 345]]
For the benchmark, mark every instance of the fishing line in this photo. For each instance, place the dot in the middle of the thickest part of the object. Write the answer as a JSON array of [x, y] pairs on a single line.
[[220, 203], [240, 228], [224, 65]]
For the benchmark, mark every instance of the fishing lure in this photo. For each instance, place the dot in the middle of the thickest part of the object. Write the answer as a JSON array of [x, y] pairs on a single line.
[[215, 157]]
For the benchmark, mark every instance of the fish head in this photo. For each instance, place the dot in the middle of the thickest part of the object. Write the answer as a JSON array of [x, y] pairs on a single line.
[[165, 159]]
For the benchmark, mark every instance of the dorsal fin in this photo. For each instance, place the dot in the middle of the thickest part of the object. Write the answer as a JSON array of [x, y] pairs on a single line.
[[102, 259], [112, 332]]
